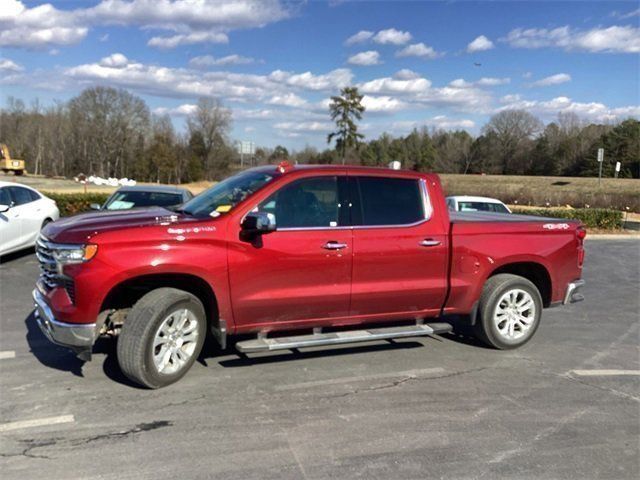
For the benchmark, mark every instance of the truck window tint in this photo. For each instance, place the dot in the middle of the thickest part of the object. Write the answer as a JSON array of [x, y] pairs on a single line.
[[388, 201], [20, 195], [311, 202]]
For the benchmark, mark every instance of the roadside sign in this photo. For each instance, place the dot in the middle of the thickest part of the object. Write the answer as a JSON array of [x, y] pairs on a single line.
[[618, 165], [600, 160]]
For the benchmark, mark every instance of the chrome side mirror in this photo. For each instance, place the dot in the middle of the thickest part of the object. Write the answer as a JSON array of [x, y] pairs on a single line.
[[259, 222], [95, 206]]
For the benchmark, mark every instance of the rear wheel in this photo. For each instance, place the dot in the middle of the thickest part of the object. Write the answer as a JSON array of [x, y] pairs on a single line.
[[161, 337], [509, 311]]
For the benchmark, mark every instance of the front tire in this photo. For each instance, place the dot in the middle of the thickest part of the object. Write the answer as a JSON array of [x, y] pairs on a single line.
[[509, 311], [161, 337]]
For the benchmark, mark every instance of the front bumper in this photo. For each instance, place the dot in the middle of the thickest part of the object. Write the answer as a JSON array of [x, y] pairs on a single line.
[[573, 294], [79, 337]]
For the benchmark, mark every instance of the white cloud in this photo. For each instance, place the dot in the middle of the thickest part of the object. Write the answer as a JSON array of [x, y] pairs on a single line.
[[393, 85], [174, 41], [480, 44], [10, 66], [188, 21], [405, 74], [391, 36], [115, 60], [591, 111], [209, 61], [287, 100], [370, 57], [483, 82], [614, 39], [118, 71], [360, 37], [180, 111], [38, 27], [419, 50], [556, 79], [305, 126], [384, 104], [624, 16]]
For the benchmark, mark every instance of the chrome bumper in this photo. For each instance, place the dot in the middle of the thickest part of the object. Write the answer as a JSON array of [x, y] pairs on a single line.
[[79, 337], [573, 294]]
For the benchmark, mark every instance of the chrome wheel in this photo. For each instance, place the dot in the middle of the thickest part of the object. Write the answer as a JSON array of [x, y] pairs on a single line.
[[175, 341], [515, 314]]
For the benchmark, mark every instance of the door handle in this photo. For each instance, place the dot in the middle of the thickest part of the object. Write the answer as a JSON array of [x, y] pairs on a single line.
[[334, 245], [429, 243]]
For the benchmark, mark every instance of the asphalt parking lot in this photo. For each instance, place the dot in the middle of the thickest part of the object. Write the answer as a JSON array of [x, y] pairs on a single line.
[[567, 405]]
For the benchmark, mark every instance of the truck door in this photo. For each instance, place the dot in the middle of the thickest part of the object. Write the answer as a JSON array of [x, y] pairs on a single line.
[[399, 249], [302, 271]]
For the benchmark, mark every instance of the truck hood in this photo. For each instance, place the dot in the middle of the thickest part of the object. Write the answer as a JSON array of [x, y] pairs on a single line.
[[80, 228]]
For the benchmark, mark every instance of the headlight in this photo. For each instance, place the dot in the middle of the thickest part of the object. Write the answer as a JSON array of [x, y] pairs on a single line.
[[75, 254]]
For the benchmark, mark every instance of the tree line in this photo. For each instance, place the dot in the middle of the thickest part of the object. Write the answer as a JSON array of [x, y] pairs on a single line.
[[112, 133]]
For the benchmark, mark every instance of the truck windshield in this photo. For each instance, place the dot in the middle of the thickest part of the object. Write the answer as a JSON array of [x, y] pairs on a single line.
[[225, 195]]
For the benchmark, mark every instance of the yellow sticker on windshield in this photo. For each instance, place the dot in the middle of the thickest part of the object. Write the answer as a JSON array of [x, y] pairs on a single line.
[[223, 208]]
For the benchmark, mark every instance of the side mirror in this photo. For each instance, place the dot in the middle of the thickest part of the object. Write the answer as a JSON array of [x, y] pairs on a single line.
[[4, 208], [256, 223], [95, 206]]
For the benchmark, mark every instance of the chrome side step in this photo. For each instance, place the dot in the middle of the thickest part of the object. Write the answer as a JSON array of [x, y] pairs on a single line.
[[262, 344]]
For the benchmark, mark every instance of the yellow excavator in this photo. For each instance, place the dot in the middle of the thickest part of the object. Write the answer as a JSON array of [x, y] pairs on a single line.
[[8, 164]]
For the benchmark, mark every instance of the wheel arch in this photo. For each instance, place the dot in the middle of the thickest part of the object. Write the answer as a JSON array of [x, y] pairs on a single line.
[[126, 293], [535, 272]]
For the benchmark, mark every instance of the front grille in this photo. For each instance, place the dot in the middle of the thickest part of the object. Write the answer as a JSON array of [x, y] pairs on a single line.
[[49, 276]]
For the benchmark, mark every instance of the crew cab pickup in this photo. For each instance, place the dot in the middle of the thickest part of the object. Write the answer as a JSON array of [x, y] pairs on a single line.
[[298, 256]]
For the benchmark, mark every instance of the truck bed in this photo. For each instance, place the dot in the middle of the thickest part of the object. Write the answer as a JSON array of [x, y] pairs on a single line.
[[473, 217]]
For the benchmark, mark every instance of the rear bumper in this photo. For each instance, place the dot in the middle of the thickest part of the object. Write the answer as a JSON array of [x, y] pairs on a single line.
[[573, 294], [79, 337]]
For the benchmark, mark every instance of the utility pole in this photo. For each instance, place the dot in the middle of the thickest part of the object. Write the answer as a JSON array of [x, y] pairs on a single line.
[[600, 161]]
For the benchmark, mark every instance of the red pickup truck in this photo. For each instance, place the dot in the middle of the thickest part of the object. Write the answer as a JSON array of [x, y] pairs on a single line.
[[321, 252]]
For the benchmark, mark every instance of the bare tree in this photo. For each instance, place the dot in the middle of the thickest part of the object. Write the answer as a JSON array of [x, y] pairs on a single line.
[[514, 131], [212, 122]]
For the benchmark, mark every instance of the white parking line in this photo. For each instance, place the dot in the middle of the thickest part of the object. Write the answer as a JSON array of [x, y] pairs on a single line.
[[7, 354], [604, 373], [36, 422], [362, 378]]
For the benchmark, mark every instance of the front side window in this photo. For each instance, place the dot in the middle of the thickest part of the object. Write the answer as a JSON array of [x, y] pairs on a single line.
[[5, 199], [20, 195], [222, 197], [306, 203], [386, 201]]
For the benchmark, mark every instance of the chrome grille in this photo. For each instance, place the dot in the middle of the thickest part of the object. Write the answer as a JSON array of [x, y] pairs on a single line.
[[49, 276]]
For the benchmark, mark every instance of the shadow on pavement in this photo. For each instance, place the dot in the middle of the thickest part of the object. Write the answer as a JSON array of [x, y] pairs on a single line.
[[49, 354], [10, 257]]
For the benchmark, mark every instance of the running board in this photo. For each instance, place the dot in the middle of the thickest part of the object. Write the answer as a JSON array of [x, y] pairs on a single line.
[[336, 338]]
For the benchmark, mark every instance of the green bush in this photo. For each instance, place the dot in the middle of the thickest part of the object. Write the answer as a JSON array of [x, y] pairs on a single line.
[[590, 217], [72, 203]]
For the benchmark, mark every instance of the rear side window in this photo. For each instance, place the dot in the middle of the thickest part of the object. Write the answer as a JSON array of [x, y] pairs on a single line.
[[20, 195], [34, 195], [386, 201]]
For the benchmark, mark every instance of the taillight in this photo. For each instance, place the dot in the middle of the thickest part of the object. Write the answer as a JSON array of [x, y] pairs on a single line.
[[581, 233]]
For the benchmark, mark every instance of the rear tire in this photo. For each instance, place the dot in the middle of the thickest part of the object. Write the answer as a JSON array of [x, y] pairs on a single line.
[[509, 311], [161, 337]]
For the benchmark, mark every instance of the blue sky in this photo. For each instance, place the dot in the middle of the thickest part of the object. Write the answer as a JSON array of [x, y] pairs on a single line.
[[443, 65]]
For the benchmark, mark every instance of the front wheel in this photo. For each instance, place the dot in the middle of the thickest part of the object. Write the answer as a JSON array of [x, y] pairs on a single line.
[[161, 337], [509, 311]]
